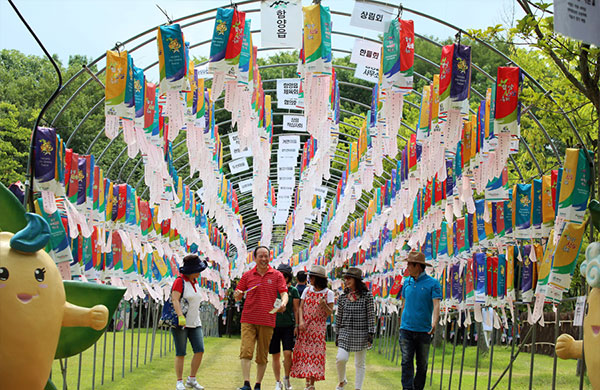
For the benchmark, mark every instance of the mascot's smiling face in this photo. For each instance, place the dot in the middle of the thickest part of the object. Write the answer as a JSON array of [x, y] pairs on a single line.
[[28, 281], [32, 304]]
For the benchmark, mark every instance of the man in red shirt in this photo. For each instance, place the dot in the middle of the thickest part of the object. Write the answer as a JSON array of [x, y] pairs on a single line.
[[260, 285]]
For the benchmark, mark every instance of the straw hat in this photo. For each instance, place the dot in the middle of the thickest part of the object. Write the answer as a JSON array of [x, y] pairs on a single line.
[[418, 258], [318, 270], [353, 272]]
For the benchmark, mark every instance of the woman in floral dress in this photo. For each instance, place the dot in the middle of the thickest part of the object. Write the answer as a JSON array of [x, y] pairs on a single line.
[[316, 305]]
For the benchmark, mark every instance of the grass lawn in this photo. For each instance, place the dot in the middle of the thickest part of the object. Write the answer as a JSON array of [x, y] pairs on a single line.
[[221, 369]]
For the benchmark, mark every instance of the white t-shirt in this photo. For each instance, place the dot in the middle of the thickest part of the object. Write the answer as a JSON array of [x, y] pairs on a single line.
[[194, 298], [330, 296]]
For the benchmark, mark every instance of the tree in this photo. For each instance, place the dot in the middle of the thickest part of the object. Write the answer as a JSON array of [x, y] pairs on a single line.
[[14, 144]]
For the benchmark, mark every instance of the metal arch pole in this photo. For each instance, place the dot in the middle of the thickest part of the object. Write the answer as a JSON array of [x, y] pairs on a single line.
[[516, 166], [73, 96], [87, 115], [135, 167], [107, 146], [541, 173], [89, 149], [115, 161]]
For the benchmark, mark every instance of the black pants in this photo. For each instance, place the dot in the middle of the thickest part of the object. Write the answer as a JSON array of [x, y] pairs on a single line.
[[414, 344]]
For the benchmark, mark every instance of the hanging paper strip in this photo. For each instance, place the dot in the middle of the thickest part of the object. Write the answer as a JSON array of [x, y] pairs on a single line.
[[565, 257], [545, 266], [457, 280], [398, 55], [536, 209], [129, 88], [317, 39], [220, 38], [234, 43], [460, 85], [46, 160], [548, 213], [59, 242], [510, 271], [139, 84], [172, 60], [445, 79], [480, 272], [470, 282], [501, 278], [523, 211], [244, 74], [407, 54], [508, 109], [527, 274], [116, 81], [497, 188], [574, 187]]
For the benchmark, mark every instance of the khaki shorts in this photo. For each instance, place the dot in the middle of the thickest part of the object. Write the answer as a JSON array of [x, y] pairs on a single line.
[[259, 335]]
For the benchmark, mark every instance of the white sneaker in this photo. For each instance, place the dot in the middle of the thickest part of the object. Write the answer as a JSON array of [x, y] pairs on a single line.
[[279, 386], [344, 383], [286, 384], [193, 383], [180, 386]]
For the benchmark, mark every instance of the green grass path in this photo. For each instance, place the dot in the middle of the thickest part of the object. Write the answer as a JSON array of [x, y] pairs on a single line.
[[221, 369]]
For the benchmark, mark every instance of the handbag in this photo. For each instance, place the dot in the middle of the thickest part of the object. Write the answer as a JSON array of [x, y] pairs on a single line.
[[169, 317]]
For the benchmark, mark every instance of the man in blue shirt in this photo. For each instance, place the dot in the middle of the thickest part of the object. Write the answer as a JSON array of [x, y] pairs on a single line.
[[421, 296]]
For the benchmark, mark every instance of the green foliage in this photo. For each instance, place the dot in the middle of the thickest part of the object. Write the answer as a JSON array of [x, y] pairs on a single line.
[[14, 144]]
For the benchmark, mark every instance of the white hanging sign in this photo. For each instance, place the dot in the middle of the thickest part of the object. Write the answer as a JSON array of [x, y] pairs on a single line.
[[366, 53], [237, 152], [237, 166], [285, 189], [285, 171], [578, 19], [289, 141], [234, 138], [280, 217], [287, 160], [281, 23], [367, 73], [286, 180], [371, 16], [284, 201], [294, 123], [579, 309], [245, 185], [288, 91], [235, 149]]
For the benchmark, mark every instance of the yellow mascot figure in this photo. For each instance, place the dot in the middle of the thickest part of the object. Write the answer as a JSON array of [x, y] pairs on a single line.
[[33, 308], [588, 348]]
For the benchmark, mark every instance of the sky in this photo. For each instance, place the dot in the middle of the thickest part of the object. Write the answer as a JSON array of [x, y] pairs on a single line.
[[90, 27]]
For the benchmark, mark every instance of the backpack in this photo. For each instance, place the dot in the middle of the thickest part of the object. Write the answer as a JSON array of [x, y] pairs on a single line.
[[169, 316]]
